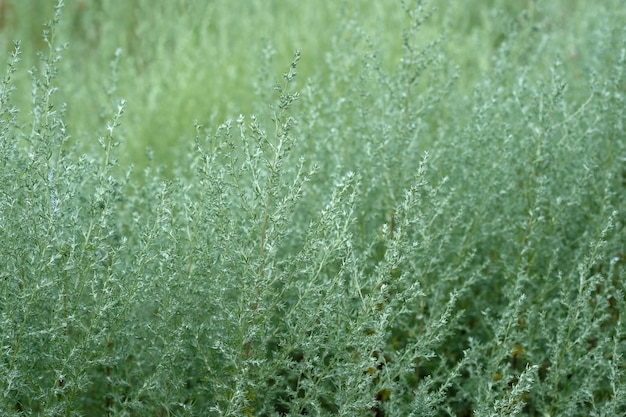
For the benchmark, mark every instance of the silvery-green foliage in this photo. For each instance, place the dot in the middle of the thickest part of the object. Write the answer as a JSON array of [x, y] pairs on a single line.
[[382, 240]]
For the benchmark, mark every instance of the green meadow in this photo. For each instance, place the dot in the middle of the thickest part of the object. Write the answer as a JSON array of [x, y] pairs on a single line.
[[185, 61], [285, 208]]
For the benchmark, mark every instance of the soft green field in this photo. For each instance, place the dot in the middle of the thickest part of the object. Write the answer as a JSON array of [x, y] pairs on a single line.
[[286, 208], [180, 61]]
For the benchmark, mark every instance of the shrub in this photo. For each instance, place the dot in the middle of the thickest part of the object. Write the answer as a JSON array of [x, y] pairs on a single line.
[[380, 241]]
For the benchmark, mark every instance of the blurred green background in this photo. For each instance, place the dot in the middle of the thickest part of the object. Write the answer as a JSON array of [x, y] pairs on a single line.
[[186, 60]]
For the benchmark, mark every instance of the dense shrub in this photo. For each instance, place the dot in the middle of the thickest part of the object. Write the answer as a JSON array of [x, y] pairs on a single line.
[[378, 240]]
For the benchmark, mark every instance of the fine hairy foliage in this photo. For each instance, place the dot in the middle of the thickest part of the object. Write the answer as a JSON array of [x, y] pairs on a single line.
[[405, 231]]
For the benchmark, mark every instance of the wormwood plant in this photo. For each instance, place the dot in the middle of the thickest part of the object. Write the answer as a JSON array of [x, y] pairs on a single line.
[[379, 244]]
